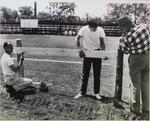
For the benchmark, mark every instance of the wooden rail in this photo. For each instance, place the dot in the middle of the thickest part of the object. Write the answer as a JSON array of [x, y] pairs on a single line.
[[63, 52]]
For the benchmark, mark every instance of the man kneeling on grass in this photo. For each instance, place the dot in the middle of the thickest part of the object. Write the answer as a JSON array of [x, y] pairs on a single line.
[[9, 70]]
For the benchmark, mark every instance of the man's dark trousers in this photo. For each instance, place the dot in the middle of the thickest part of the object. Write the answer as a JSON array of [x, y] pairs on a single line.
[[87, 62]]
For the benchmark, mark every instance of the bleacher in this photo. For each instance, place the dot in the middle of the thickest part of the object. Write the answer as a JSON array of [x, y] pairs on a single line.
[[55, 28]]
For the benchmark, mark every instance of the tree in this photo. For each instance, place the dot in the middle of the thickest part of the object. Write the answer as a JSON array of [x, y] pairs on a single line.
[[73, 18], [26, 12], [61, 9], [14, 14], [8, 14], [115, 11], [43, 15]]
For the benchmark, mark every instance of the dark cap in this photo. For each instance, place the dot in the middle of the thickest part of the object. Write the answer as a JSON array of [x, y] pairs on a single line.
[[124, 21], [7, 44]]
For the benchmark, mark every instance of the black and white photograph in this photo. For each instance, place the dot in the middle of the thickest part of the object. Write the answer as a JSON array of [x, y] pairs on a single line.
[[74, 59]]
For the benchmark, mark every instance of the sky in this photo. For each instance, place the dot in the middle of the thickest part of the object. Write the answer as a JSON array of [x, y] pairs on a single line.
[[95, 8]]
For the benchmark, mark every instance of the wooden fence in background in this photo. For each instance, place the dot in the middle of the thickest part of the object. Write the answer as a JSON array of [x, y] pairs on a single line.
[[55, 28]]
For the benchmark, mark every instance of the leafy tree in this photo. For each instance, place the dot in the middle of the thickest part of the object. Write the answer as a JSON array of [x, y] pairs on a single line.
[[73, 18], [8, 14], [26, 12], [43, 15], [61, 9], [14, 14], [118, 10]]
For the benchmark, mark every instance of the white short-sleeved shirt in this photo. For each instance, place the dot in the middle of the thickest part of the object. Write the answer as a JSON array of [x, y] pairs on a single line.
[[6, 62], [91, 40]]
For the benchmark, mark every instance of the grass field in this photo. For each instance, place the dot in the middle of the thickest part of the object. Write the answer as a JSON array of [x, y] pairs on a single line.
[[65, 80]]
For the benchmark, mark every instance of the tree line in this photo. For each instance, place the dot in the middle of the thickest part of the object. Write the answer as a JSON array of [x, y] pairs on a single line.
[[138, 12], [65, 11]]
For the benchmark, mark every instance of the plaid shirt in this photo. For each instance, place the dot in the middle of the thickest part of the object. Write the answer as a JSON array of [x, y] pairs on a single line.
[[136, 41]]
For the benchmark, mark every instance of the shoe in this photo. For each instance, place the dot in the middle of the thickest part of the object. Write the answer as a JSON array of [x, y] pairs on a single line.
[[98, 97], [79, 95]]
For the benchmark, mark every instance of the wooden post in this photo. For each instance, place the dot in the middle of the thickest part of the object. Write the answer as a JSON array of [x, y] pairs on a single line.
[[35, 10], [119, 75], [21, 70]]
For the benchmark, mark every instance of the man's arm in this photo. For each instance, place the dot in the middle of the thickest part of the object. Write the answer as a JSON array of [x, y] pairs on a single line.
[[79, 42], [123, 45], [102, 44]]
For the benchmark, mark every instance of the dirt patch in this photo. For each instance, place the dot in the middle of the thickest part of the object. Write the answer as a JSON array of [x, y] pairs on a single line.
[[59, 105]]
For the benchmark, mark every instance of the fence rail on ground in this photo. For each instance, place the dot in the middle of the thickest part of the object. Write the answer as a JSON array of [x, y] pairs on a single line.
[[55, 28]]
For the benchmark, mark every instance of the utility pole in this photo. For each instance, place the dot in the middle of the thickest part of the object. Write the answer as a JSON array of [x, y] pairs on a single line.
[[35, 10]]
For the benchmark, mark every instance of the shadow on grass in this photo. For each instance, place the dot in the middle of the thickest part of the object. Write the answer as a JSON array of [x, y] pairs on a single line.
[[104, 99]]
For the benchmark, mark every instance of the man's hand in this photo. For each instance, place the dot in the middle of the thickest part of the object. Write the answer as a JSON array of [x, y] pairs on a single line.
[[106, 58], [82, 54], [14, 68]]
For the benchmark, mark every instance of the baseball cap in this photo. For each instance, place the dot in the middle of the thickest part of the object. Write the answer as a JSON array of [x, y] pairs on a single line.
[[7, 44], [124, 20]]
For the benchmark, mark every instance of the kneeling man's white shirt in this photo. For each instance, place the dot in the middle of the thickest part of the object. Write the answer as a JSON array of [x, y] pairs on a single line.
[[91, 39], [6, 62]]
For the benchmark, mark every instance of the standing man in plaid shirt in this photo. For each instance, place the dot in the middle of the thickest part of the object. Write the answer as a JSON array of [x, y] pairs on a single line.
[[135, 41]]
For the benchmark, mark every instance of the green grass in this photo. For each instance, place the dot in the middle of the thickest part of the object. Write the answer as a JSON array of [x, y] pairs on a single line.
[[65, 80], [52, 41], [39, 70]]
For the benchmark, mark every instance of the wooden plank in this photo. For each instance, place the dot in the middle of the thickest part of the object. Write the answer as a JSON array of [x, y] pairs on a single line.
[[59, 61], [38, 84], [63, 52], [99, 54]]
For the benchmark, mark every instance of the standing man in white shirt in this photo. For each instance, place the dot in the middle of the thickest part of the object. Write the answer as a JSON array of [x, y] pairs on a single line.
[[9, 70], [90, 37]]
